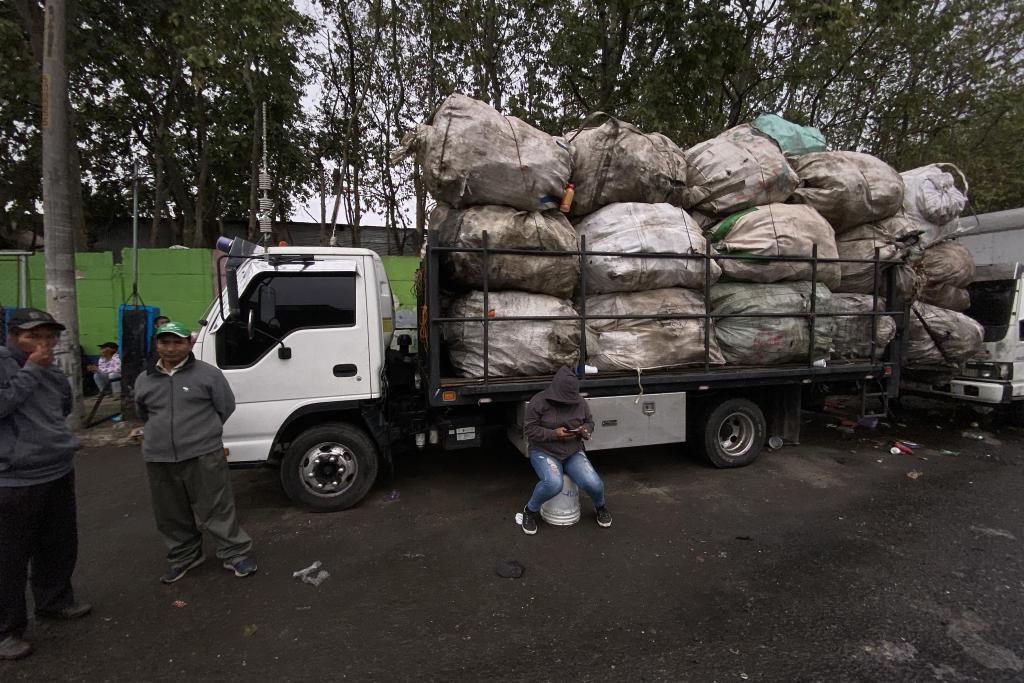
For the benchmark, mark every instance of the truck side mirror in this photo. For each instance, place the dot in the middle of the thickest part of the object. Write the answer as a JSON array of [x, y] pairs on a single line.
[[284, 352]]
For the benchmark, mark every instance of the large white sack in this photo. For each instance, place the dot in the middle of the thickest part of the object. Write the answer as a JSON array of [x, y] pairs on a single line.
[[617, 162], [472, 155], [853, 332], [848, 188], [514, 347], [508, 228], [630, 227], [859, 243], [938, 336], [771, 341], [740, 168], [946, 269], [775, 230], [632, 344], [932, 199]]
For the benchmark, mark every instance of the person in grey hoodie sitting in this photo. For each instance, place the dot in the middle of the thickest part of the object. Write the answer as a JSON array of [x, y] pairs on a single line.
[[185, 403], [38, 514], [558, 422]]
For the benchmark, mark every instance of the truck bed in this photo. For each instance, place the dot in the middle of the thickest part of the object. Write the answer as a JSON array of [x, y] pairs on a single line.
[[451, 391]]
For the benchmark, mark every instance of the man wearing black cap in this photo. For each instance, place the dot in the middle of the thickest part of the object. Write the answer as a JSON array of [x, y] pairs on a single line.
[[38, 524]]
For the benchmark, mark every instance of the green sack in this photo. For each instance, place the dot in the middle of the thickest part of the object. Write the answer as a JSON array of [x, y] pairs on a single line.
[[792, 138]]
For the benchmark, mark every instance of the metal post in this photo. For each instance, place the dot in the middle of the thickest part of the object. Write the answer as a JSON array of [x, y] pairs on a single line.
[[874, 301], [135, 233], [583, 305], [707, 307], [814, 304], [23, 281], [486, 266]]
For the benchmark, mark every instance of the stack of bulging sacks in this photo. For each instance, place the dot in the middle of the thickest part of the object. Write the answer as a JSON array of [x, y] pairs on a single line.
[[498, 174], [865, 201], [629, 190], [940, 334], [752, 194], [739, 182], [858, 195]]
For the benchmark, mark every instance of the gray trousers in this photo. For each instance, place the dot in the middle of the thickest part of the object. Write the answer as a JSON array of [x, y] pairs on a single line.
[[193, 495]]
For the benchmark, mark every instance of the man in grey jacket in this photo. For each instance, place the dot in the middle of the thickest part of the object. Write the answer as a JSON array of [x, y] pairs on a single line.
[[38, 524], [185, 403]]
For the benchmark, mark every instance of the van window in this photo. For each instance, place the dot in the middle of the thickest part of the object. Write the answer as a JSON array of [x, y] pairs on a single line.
[[281, 303], [992, 306]]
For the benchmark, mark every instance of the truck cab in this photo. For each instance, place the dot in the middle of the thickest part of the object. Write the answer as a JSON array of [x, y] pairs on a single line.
[[996, 376], [301, 335]]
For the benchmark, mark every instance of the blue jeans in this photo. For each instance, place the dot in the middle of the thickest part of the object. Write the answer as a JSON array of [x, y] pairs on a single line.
[[550, 469]]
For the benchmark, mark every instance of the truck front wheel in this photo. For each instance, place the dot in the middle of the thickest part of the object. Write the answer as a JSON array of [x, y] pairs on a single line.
[[329, 467], [734, 432]]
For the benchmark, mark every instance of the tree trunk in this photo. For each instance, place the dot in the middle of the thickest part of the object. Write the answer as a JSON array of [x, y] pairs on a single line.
[[158, 201], [58, 212], [421, 206], [202, 180], [254, 172], [32, 22]]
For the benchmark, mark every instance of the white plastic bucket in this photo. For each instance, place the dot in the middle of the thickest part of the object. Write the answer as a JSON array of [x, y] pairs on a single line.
[[563, 509]]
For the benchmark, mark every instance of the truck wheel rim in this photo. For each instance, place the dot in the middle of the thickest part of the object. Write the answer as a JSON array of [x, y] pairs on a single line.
[[736, 435], [328, 469]]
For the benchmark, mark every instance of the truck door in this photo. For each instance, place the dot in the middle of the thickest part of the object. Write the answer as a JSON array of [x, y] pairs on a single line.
[[319, 317]]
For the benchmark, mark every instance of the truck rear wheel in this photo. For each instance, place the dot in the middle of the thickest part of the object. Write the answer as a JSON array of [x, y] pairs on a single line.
[[734, 433], [329, 467]]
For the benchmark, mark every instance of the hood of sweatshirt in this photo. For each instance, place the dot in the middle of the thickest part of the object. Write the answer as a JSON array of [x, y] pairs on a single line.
[[565, 387]]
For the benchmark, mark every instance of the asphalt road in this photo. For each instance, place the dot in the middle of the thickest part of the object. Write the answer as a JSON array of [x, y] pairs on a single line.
[[821, 562]]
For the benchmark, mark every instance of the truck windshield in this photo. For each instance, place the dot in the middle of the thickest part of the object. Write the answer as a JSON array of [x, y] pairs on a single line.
[[992, 306]]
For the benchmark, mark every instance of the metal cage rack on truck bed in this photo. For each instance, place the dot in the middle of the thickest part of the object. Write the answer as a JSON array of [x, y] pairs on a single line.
[[452, 391]]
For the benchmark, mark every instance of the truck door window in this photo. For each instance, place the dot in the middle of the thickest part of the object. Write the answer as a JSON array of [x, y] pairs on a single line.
[[992, 306], [281, 304]]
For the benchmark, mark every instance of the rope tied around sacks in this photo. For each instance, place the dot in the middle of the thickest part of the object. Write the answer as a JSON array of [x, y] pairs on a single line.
[[519, 156]]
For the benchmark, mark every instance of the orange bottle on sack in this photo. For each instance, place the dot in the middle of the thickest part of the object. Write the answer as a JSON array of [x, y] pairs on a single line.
[[566, 204]]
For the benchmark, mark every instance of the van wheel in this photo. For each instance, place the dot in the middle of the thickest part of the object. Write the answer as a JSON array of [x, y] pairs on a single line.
[[329, 467], [734, 432]]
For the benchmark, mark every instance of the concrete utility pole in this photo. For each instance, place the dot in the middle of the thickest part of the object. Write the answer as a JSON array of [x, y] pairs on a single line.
[[58, 224]]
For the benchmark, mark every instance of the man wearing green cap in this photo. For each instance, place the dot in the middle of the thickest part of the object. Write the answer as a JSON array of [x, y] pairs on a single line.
[[184, 403]]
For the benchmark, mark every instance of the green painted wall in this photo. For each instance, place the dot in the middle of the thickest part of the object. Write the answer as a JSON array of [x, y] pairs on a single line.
[[178, 281], [401, 272]]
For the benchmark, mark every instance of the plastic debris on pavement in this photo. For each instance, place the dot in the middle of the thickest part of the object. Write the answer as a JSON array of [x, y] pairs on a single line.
[[249, 630], [179, 603], [973, 435], [904, 447], [510, 569], [914, 474], [946, 451], [312, 574], [392, 496]]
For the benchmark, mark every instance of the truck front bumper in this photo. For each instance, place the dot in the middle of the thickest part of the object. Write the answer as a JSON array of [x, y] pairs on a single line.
[[980, 391]]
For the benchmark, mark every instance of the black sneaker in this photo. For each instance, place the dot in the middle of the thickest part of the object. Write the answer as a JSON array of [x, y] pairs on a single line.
[[529, 522], [75, 610], [13, 647], [604, 518], [174, 573]]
